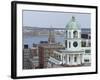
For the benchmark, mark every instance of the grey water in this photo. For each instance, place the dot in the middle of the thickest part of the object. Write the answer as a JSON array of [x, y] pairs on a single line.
[[29, 39]]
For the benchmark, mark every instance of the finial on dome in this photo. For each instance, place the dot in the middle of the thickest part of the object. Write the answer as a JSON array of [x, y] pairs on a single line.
[[72, 24], [73, 18]]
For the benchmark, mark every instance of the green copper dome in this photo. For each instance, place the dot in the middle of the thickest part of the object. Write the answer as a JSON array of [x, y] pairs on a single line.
[[72, 25]]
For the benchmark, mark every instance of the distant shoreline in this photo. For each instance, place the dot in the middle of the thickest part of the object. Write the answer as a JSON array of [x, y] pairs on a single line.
[[36, 31]]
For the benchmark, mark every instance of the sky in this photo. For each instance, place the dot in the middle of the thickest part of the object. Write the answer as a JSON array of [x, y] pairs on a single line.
[[55, 19]]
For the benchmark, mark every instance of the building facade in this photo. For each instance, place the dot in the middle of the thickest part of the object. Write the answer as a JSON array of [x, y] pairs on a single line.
[[45, 51], [75, 50]]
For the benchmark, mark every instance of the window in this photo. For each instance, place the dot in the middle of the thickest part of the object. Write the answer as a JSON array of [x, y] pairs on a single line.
[[59, 57], [75, 59], [88, 51], [26, 46], [66, 43], [69, 44], [75, 34], [65, 57], [69, 58], [69, 34], [86, 60], [84, 36], [66, 34], [83, 44], [34, 52], [89, 44], [89, 37]]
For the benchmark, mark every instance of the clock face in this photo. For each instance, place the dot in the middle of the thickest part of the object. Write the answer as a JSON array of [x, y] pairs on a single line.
[[75, 44]]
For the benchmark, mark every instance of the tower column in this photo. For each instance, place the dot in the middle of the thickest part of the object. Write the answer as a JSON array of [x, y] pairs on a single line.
[[79, 59], [79, 34], [72, 59], [71, 34]]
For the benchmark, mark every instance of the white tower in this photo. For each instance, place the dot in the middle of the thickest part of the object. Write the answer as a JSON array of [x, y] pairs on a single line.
[[74, 52], [73, 35]]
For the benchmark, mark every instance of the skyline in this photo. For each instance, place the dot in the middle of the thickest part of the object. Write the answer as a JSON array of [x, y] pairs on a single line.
[[54, 19]]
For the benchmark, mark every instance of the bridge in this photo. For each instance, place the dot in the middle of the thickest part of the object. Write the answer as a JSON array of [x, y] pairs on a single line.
[[38, 28], [83, 30]]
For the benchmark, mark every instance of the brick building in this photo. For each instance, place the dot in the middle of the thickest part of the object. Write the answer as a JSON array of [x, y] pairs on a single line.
[[45, 51]]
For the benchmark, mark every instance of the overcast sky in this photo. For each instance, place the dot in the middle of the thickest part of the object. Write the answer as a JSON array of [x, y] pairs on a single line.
[[54, 19]]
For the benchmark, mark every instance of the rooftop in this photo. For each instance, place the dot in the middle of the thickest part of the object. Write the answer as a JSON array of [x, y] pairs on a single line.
[[72, 24], [54, 45]]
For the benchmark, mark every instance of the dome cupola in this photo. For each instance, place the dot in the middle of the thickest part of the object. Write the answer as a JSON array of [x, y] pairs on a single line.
[[72, 24]]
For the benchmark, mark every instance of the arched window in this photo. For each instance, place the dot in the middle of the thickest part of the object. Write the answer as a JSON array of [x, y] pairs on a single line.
[[66, 43], [75, 34], [69, 34]]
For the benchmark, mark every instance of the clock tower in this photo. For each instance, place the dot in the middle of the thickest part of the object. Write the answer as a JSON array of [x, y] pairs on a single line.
[[73, 54], [73, 49], [73, 35]]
